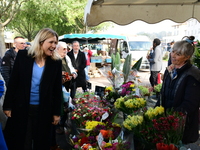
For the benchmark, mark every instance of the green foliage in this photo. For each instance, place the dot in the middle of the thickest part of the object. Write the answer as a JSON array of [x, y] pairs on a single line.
[[116, 62], [113, 61], [196, 56], [63, 16], [158, 87], [137, 64], [127, 67], [166, 56]]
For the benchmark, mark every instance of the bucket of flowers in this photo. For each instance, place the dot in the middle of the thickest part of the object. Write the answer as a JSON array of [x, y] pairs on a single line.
[[108, 130], [130, 104], [91, 109], [155, 127], [111, 95]]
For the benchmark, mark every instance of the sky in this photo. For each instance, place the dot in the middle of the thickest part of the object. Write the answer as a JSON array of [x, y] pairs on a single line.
[[141, 26]]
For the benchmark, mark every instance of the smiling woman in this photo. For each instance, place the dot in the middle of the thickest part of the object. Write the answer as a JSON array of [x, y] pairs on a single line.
[[34, 94], [181, 86]]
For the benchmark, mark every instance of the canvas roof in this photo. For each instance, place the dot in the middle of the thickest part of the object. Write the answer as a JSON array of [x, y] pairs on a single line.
[[124, 12]]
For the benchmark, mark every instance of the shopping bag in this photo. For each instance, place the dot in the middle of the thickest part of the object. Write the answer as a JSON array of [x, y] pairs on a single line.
[[66, 95]]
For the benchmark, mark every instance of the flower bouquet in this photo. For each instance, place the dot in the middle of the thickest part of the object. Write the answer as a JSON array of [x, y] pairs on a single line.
[[111, 94], [128, 88], [84, 112], [108, 130], [145, 90], [130, 104]]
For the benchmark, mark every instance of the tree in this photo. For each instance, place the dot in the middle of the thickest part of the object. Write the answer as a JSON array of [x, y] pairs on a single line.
[[64, 16], [196, 56], [8, 10]]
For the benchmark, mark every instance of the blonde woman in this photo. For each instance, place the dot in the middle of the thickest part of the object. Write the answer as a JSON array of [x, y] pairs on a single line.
[[34, 95]]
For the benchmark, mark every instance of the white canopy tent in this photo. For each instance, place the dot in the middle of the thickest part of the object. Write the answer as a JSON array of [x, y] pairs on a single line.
[[124, 12]]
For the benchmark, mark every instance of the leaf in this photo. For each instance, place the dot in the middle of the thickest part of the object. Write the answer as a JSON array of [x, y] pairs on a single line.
[[137, 64]]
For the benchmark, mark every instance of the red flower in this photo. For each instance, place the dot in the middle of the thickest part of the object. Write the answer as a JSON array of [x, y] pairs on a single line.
[[84, 140]]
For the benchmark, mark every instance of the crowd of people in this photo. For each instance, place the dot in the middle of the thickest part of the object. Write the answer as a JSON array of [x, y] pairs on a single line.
[[35, 77]]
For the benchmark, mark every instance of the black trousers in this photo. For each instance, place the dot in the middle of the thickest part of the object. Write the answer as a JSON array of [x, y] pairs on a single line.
[[31, 134], [154, 78]]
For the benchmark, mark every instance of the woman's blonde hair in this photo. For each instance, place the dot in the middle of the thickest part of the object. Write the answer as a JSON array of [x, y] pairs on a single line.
[[35, 50]]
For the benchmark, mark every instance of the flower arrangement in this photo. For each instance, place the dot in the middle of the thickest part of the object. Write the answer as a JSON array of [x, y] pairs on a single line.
[[128, 88], [108, 130], [130, 104], [115, 145], [145, 91], [89, 109], [156, 125], [111, 94]]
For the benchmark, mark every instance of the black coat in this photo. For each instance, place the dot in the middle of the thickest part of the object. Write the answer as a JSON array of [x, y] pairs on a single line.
[[79, 64], [183, 94], [7, 64], [18, 97]]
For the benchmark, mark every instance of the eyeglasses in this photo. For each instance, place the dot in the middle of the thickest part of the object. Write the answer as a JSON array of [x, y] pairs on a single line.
[[22, 43]]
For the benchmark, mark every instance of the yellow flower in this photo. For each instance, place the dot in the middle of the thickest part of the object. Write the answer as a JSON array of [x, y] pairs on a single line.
[[108, 145], [132, 121], [152, 113], [92, 124], [135, 103], [132, 85], [116, 125], [118, 102], [109, 88]]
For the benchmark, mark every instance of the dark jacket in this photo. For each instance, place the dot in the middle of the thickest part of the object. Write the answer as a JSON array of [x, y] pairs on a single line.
[[7, 64], [79, 64], [183, 94], [18, 97]]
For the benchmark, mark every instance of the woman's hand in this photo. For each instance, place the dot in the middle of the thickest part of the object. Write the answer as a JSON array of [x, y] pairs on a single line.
[[56, 120], [7, 113]]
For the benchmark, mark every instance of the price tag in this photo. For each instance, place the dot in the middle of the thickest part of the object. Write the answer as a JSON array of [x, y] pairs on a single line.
[[100, 139], [121, 135], [105, 115]]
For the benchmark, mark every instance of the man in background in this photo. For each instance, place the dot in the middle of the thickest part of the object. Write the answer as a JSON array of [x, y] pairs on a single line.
[[9, 58], [78, 60]]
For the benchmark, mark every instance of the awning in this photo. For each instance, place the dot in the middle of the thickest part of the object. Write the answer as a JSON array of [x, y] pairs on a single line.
[[88, 38], [124, 12]]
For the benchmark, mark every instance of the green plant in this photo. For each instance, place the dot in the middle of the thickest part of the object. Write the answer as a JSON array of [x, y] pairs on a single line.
[[196, 56], [158, 87], [137, 64], [127, 67]]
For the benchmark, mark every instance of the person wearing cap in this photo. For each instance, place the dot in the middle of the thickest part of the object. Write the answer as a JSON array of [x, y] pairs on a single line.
[[28, 44]]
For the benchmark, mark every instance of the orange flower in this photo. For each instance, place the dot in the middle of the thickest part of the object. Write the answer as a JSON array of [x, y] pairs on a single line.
[[107, 134]]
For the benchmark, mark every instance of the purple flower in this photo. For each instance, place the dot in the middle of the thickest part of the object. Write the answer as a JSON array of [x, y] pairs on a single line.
[[123, 92], [98, 119], [128, 92]]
